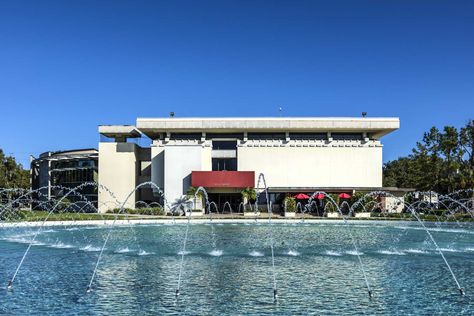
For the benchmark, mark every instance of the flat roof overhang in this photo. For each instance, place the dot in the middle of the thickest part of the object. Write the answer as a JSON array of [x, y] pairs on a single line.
[[74, 154], [377, 126], [117, 131]]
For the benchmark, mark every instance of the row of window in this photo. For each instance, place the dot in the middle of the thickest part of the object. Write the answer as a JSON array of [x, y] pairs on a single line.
[[63, 164], [268, 136], [73, 176], [224, 164]]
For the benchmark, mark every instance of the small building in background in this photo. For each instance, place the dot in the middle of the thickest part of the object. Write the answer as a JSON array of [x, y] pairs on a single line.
[[53, 173]]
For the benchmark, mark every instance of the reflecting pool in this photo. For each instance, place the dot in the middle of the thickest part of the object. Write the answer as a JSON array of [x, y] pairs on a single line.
[[227, 269]]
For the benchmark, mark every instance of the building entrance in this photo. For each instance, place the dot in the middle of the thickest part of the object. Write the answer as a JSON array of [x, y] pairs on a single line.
[[221, 199]]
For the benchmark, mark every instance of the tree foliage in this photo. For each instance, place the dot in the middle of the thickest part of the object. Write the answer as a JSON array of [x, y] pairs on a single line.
[[290, 204], [442, 161], [191, 193], [12, 174], [249, 193]]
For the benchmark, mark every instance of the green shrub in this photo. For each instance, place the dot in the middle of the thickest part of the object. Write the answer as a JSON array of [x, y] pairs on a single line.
[[390, 215], [249, 208], [63, 205], [329, 205], [362, 205], [140, 211], [289, 204], [191, 193], [249, 193], [439, 212]]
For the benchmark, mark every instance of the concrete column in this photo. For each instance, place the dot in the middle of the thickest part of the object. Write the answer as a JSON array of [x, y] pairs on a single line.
[[117, 173]]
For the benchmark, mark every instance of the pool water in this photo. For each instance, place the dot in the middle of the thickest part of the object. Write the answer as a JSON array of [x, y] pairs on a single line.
[[227, 269]]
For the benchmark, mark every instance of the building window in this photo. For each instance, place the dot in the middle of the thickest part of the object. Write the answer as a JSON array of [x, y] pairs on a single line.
[[309, 136], [224, 144], [224, 136], [266, 136], [224, 164], [185, 136], [346, 136]]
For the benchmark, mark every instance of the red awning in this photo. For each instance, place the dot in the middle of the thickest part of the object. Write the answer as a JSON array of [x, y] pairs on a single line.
[[319, 196], [301, 196], [344, 196], [223, 179]]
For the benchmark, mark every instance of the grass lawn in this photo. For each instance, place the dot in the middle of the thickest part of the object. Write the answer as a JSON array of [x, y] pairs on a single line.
[[34, 216]]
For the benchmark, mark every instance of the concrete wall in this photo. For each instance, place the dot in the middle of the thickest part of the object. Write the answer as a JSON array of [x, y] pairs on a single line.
[[314, 166], [158, 165], [117, 172], [285, 164], [180, 161], [206, 158]]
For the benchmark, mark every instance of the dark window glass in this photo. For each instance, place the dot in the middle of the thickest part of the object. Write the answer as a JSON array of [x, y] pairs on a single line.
[[224, 144], [346, 136], [224, 164], [269, 136], [185, 136], [309, 136], [221, 135]]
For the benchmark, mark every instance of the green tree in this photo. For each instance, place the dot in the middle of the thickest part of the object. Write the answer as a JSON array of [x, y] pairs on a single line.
[[451, 152], [426, 168], [12, 174], [248, 194], [466, 141], [442, 161], [191, 193], [290, 204], [401, 173]]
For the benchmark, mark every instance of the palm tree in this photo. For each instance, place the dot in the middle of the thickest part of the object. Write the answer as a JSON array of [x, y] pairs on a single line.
[[248, 194], [191, 194], [181, 206]]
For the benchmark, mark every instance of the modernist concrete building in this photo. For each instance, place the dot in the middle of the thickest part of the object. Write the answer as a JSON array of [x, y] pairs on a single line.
[[225, 155], [66, 169]]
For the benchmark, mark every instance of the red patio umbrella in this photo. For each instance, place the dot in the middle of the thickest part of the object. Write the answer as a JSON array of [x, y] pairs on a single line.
[[319, 196], [344, 196], [301, 196]]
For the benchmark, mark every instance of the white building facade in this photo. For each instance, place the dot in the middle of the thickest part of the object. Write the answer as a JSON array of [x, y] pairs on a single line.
[[225, 155]]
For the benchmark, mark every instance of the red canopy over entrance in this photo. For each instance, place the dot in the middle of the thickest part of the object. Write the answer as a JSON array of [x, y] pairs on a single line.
[[223, 179]]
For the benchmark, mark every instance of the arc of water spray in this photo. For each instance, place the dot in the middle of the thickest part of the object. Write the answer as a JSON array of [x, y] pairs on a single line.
[[460, 289], [37, 191], [261, 177], [89, 287], [412, 211], [12, 280], [361, 265], [183, 249]]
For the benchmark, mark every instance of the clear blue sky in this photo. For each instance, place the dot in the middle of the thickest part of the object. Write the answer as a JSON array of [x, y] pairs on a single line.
[[68, 66]]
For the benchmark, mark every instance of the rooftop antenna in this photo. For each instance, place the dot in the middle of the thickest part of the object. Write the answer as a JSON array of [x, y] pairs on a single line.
[[364, 114], [280, 109], [171, 114]]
